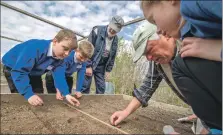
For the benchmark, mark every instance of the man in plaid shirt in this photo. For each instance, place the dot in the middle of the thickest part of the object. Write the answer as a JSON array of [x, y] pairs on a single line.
[[163, 51]]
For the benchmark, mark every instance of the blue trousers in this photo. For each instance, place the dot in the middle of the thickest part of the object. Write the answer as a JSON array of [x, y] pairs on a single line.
[[99, 77]]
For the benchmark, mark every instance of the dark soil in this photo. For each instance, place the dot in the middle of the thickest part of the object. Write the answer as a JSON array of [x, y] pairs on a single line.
[[54, 117]]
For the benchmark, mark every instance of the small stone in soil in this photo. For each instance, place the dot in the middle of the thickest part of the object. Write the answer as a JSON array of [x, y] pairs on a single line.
[[5, 101], [69, 120], [135, 118]]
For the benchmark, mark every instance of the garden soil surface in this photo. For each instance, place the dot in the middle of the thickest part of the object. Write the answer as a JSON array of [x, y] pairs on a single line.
[[56, 117]]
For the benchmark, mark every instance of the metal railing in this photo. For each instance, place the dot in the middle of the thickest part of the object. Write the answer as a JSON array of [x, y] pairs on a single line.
[[11, 38], [126, 24], [134, 21]]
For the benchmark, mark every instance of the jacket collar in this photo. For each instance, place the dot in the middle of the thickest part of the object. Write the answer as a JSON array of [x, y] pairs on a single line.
[[103, 32]]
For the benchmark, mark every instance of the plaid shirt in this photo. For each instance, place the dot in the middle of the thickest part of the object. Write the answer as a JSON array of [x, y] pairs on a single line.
[[151, 82]]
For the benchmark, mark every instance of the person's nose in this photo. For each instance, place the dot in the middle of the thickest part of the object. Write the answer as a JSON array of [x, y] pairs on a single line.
[[149, 57]]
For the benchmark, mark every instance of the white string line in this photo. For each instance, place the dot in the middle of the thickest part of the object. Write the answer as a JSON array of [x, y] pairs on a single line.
[[113, 127]]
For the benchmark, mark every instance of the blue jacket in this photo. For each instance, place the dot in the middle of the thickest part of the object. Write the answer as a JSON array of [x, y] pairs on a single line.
[[29, 58], [67, 69], [98, 40], [203, 19]]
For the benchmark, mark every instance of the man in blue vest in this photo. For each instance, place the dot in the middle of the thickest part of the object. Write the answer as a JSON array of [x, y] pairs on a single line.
[[105, 41]]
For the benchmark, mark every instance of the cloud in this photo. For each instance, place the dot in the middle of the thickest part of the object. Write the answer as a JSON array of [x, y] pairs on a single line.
[[79, 16], [67, 8], [100, 4], [22, 27], [34, 7], [130, 36]]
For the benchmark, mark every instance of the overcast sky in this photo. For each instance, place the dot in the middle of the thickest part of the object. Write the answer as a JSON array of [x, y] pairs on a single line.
[[79, 16]]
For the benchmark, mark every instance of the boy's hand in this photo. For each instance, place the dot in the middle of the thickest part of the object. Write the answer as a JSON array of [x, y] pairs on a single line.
[[35, 100], [78, 94], [59, 95], [89, 71], [107, 76], [72, 100]]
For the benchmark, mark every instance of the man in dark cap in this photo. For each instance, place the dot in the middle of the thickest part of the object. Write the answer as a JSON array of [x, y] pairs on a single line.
[[105, 41]]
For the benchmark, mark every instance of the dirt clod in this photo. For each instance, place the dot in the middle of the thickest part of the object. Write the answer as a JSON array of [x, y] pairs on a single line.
[[70, 120], [136, 118]]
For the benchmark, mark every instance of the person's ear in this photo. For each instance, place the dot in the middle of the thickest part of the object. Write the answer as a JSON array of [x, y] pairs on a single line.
[[76, 50], [174, 2], [54, 41]]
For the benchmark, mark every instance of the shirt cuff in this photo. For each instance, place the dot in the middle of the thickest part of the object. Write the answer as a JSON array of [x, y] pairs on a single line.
[[136, 94], [65, 93], [28, 94]]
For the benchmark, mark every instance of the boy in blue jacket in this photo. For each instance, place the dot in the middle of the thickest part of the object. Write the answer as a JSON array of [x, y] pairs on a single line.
[[62, 75], [26, 62]]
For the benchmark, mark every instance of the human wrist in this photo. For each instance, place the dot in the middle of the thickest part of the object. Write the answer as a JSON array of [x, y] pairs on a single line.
[[28, 94], [127, 112], [67, 95]]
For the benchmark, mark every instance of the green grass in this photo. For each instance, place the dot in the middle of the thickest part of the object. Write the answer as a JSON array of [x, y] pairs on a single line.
[[166, 95]]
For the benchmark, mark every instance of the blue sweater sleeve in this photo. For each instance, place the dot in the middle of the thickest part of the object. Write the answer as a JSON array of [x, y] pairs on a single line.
[[23, 66], [80, 77], [212, 8], [203, 19], [60, 79]]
